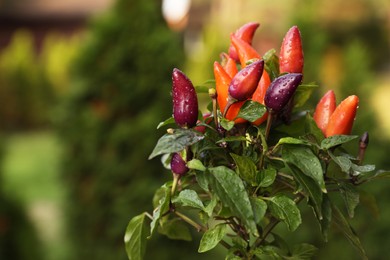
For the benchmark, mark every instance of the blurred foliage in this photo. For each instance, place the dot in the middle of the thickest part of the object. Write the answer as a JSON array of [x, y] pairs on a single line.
[[31, 83], [108, 126], [18, 237]]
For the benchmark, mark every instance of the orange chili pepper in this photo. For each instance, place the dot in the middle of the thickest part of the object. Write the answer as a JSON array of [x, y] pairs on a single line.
[[324, 110], [244, 50], [341, 121], [245, 33], [259, 95], [222, 82]]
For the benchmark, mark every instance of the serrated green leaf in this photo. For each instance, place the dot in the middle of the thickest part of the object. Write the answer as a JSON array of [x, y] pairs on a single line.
[[351, 197], [178, 141], [196, 164], [246, 168], [189, 198], [212, 237], [226, 124], [285, 209], [304, 159], [135, 237], [342, 224], [266, 177], [232, 193], [259, 207], [168, 121], [311, 188], [175, 229], [251, 111], [335, 140], [303, 93], [303, 252]]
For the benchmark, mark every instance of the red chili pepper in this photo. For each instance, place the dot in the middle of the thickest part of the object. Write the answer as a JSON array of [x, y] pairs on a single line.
[[291, 52], [244, 50], [324, 110], [185, 101], [207, 120], [245, 33], [229, 65], [259, 95], [222, 82], [341, 121], [245, 81]]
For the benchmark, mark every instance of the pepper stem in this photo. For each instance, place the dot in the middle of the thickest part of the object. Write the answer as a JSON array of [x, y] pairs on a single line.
[[230, 102], [176, 178]]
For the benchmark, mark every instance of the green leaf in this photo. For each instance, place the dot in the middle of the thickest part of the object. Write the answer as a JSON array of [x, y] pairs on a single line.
[[135, 237], [246, 168], [271, 61], [202, 179], [226, 124], [175, 229], [201, 89], [161, 209], [212, 237], [266, 177], [311, 188], [168, 121], [351, 197], [303, 93], [189, 198], [232, 193], [291, 140], [196, 164], [335, 140], [312, 129], [259, 207], [326, 221], [363, 168], [343, 161], [304, 159], [239, 138], [251, 111], [178, 141], [303, 252], [210, 207], [285, 209], [342, 224]]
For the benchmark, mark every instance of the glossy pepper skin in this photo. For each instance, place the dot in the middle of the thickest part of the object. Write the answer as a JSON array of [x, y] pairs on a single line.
[[341, 121], [244, 50], [324, 110], [229, 65], [259, 95], [185, 101], [245, 81], [222, 81], [178, 165], [245, 33], [291, 52], [281, 91]]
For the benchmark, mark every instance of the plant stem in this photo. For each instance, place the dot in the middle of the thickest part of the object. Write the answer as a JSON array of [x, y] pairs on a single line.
[[176, 178], [197, 226]]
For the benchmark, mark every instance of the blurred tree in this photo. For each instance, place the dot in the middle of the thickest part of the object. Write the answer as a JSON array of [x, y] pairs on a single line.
[[108, 125]]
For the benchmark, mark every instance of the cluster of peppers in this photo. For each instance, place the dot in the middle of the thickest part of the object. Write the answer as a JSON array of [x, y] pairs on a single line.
[[242, 75]]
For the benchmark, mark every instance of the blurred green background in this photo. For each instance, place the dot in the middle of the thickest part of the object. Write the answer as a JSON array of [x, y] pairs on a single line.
[[83, 85]]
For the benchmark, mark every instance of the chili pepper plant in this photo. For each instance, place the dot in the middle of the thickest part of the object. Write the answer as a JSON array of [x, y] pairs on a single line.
[[256, 158]]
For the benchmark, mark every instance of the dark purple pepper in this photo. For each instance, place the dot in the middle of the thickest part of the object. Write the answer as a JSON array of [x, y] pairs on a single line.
[[185, 101], [178, 165], [281, 90], [246, 80]]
